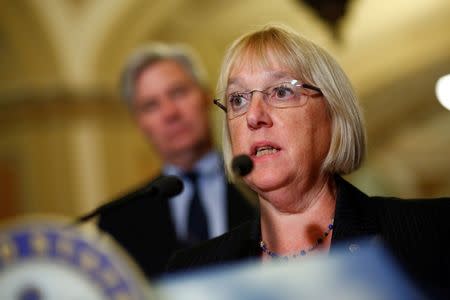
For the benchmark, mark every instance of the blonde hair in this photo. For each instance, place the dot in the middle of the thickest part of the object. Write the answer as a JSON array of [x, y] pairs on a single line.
[[311, 64]]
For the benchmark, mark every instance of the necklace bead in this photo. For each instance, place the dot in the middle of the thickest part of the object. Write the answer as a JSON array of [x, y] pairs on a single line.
[[302, 252]]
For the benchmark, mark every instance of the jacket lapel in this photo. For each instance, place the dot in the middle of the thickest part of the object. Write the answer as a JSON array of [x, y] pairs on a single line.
[[354, 216]]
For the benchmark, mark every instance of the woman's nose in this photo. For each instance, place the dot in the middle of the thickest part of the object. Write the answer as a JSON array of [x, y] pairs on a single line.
[[258, 114]]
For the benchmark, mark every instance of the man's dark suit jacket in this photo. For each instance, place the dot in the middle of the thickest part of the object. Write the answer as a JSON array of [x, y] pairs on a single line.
[[416, 232], [146, 231]]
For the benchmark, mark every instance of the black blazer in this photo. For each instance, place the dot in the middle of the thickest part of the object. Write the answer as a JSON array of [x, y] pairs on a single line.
[[414, 231], [146, 231]]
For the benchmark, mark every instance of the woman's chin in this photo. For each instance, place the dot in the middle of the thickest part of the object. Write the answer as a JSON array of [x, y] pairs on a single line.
[[264, 182]]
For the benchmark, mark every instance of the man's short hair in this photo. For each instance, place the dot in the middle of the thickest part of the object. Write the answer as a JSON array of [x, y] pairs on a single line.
[[150, 54]]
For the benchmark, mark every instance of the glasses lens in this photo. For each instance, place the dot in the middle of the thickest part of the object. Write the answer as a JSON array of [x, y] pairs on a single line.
[[238, 104], [287, 94], [282, 94]]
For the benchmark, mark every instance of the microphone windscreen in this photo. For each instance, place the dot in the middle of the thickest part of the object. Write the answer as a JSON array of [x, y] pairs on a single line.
[[168, 186], [242, 165]]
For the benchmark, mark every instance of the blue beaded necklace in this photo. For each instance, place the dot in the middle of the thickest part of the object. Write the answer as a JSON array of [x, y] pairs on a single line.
[[302, 252]]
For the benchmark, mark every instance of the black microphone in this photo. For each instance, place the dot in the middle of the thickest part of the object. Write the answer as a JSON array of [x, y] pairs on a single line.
[[242, 165], [165, 186]]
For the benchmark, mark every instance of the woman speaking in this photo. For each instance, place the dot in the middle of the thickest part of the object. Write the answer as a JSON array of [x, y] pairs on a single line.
[[290, 107]]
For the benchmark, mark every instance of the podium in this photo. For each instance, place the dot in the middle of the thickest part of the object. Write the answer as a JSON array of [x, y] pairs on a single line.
[[369, 274], [42, 259]]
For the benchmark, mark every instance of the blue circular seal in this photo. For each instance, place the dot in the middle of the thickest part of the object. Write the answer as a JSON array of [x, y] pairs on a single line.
[[48, 260]]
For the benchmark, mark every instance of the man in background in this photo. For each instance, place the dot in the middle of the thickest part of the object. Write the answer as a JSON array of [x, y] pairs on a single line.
[[166, 93]]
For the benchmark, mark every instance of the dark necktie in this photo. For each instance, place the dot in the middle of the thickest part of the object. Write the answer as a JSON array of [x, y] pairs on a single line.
[[197, 222]]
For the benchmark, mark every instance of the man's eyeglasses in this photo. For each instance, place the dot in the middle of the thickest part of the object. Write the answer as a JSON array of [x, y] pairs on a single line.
[[281, 95]]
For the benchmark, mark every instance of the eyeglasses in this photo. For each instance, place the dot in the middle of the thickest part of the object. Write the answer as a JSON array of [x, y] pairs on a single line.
[[281, 95]]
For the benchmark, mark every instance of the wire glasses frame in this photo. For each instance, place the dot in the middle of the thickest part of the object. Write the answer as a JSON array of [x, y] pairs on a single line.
[[281, 95]]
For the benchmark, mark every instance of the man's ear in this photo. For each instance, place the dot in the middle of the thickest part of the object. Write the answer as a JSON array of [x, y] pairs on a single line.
[[133, 113], [207, 97]]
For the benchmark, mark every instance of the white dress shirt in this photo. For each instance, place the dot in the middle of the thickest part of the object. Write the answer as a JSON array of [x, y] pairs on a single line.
[[212, 192]]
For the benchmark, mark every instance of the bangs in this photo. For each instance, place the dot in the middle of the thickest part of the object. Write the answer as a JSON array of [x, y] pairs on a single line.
[[266, 49]]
